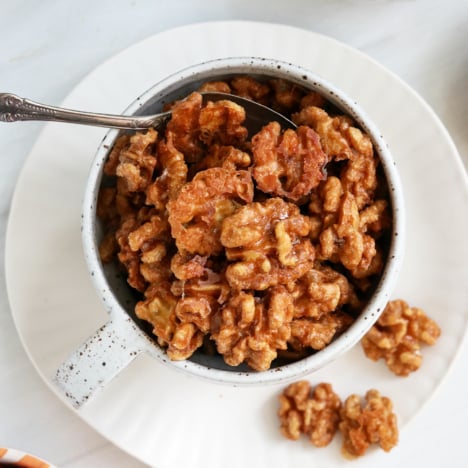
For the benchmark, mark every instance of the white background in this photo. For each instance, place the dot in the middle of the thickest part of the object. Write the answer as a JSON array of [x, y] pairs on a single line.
[[47, 47]]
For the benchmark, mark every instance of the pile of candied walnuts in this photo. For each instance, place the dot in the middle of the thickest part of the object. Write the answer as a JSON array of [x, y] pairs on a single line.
[[396, 338], [319, 414], [266, 245]]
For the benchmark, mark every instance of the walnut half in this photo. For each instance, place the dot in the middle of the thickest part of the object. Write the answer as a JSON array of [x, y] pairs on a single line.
[[397, 336], [363, 425], [315, 414]]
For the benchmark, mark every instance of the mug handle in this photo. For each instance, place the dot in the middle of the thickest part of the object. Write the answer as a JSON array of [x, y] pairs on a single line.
[[98, 360]]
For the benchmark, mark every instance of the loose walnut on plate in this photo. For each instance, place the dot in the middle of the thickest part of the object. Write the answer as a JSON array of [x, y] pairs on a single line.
[[371, 423], [397, 336], [319, 414], [315, 414]]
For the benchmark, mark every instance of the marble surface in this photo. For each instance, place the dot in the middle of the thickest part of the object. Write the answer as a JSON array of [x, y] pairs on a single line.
[[47, 47]]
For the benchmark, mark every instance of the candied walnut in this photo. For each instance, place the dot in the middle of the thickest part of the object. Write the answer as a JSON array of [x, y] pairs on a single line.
[[390, 329], [215, 87], [247, 87], [154, 254], [154, 266], [251, 329], [145, 236], [420, 326], [375, 218], [324, 204], [359, 177], [337, 225], [137, 162], [339, 138], [315, 414], [129, 258], [342, 241], [106, 209], [405, 358], [195, 310], [397, 335], [155, 272], [112, 162], [347, 249], [221, 122], [318, 333], [267, 243], [313, 98], [325, 405], [108, 247], [160, 309], [288, 164], [210, 285], [332, 194], [186, 266], [333, 142], [185, 128], [373, 423], [286, 95], [126, 202], [186, 340], [196, 214], [200, 298], [322, 290], [325, 417], [173, 176], [293, 406], [228, 157], [371, 262], [326, 199], [141, 240]]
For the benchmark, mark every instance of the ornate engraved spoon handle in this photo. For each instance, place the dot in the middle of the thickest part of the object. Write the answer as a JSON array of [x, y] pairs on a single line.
[[14, 108]]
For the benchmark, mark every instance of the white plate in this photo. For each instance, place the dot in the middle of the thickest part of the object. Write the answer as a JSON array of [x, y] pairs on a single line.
[[164, 417]]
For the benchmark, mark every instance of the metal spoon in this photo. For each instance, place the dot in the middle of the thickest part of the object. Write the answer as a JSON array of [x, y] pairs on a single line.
[[14, 108]]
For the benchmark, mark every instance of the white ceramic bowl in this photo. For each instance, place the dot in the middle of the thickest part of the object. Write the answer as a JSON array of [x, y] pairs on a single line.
[[121, 339]]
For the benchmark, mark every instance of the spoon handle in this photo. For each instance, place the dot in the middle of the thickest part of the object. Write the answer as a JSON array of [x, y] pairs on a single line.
[[14, 108]]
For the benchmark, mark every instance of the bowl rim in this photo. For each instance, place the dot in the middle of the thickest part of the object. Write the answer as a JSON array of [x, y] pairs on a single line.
[[373, 308]]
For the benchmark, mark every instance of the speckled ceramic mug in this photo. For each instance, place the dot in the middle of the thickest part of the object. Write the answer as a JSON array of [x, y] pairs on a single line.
[[123, 337]]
